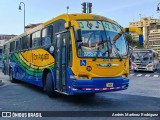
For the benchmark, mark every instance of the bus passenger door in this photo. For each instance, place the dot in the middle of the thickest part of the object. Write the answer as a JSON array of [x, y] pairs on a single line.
[[61, 61]]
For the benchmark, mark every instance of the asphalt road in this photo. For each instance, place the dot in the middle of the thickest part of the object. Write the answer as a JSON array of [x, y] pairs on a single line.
[[143, 94]]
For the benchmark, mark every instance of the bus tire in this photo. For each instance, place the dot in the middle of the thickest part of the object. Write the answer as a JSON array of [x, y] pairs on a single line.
[[13, 80], [91, 94], [135, 70], [49, 87]]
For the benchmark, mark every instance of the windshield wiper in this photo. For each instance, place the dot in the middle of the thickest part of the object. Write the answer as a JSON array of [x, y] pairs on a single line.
[[94, 59], [117, 53], [117, 37], [120, 57], [114, 40]]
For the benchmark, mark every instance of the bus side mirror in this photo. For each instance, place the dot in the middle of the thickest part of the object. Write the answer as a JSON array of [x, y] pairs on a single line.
[[137, 30], [76, 26], [141, 41], [78, 35], [67, 25]]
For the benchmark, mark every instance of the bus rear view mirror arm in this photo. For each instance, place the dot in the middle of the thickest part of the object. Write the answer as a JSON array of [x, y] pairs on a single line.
[[69, 24], [77, 29], [136, 30]]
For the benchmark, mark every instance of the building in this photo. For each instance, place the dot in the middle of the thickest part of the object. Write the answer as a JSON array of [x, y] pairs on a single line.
[[6, 37], [151, 32], [30, 26]]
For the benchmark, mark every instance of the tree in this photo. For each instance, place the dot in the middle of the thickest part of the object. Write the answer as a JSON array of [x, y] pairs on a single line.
[[132, 42]]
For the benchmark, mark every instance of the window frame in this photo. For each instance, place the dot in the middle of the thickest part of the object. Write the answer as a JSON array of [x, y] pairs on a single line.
[[22, 39], [32, 40], [12, 49]]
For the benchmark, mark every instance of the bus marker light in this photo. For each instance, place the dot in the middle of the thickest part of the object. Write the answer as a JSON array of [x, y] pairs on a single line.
[[72, 77]]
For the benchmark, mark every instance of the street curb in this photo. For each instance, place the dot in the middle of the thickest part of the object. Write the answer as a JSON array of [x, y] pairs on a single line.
[[1, 83]]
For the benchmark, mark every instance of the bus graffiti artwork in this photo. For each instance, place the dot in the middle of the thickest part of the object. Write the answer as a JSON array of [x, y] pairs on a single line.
[[40, 56], [71, 54]]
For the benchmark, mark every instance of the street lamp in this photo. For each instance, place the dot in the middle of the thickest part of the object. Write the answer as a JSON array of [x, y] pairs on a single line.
[[158, 7], [67, 9], [24, 12]]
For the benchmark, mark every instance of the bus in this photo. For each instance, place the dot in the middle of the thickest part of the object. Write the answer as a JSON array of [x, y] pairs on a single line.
[[71, 54], [144, 60]]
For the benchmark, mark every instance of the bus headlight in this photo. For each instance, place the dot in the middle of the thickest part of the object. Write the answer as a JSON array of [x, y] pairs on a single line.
[[83, 77], [72, 77], [134, 65], [150, 65], [124, 76]]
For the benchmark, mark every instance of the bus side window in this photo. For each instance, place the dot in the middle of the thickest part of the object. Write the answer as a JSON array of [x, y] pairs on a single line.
[[47, 35], [44, 33], [58, 26], [4, 47], [17, 45], [70, 50], [26, 42], [12, 46], [0, 52], [36, 39]]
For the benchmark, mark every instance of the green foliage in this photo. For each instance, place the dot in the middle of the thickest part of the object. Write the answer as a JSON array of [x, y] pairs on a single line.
[[132, 42]]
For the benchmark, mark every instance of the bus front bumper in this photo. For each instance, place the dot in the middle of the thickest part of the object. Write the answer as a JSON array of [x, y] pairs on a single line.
[[97, 85], [143, 69]]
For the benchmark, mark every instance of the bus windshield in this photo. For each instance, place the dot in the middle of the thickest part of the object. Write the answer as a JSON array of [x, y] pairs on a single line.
[[142, 57], [97, 40]]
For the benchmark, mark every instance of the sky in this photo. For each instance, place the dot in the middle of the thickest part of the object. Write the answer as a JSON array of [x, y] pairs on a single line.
[[39, 11]]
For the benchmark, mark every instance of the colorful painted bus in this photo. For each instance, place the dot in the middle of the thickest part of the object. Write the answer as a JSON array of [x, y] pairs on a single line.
[[71, 54]]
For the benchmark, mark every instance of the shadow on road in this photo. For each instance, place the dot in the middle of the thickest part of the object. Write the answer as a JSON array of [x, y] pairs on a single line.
[[157, 71], [84, 99]]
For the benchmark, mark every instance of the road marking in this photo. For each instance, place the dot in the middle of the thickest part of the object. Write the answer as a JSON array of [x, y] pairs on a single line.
[[147, 75], [155, 75], [139, 75], [131, 74]]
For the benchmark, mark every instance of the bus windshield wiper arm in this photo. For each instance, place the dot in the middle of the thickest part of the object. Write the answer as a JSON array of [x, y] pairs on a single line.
[[94, 59], [120, 57]]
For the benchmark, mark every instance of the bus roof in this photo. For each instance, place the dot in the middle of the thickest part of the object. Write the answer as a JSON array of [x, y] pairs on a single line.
[[70, 17], [66, 17]]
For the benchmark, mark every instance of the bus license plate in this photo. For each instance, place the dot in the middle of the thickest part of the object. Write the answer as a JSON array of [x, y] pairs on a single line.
[[109, 84]]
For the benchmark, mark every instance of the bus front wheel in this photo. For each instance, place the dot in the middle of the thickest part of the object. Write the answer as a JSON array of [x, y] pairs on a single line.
[[49, 87], [13, 80]]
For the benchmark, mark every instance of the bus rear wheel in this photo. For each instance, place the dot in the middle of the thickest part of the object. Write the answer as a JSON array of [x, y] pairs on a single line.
[[13, 80], [49, 87]]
